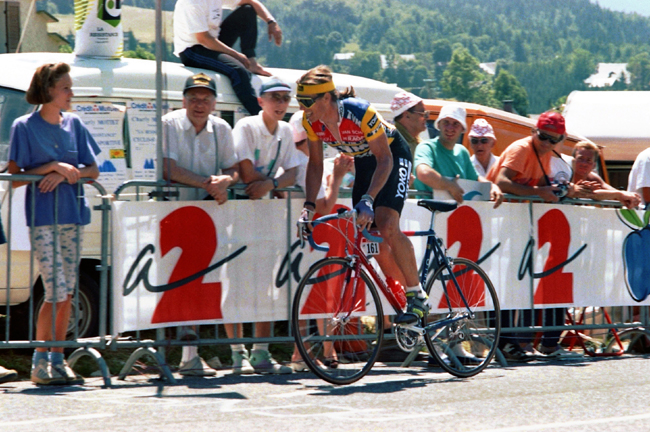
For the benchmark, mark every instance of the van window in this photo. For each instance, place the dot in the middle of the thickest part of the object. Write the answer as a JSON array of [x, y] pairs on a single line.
[[229, 117], [12, 106]]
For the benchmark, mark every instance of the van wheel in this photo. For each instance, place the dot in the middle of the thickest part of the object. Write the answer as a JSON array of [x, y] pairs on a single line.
[[87, 320]]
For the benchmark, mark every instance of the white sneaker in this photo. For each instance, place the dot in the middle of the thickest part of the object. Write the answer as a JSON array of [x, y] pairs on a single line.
[[196, 367], [41, 374], [63, 371], [241, 364], [7, 375], [262, 362]]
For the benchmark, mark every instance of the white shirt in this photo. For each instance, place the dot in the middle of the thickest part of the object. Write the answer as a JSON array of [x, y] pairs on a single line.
[[640, 174], [254, 142], [479, 168], [564, 164], [197, 16], [198, 152]]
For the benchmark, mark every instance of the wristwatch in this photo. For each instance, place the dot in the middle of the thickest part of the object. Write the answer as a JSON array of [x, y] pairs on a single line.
[[275, 183]]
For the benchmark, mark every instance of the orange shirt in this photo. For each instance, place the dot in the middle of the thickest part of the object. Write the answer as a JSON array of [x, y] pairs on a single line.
[[520, 157]]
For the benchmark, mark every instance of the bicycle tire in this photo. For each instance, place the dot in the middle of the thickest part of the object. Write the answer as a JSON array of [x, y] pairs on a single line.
[[320, 317], [465, 347]]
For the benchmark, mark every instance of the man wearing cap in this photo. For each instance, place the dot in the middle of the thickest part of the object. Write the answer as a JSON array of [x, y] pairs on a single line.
[[440, 162], [481, 141], [264, 145], [524, 166], [198, 151], [410, 117], [202, 39]]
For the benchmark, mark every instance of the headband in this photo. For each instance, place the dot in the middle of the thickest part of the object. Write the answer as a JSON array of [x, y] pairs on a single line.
[[315, 88]]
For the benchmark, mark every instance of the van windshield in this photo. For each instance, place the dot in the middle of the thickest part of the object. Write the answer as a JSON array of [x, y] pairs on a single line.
[[12, 106]]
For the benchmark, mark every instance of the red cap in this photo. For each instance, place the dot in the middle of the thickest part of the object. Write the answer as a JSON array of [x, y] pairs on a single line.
[[551, 121]]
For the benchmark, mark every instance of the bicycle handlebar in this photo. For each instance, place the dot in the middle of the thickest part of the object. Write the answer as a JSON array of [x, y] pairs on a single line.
[[340, 215]]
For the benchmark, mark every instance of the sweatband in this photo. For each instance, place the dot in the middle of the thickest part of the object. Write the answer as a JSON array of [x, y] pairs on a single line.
[[304, 89]]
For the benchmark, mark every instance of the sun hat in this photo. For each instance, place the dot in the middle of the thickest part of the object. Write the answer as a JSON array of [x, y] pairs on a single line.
[[455, 112], [402, 102], [481, 128]]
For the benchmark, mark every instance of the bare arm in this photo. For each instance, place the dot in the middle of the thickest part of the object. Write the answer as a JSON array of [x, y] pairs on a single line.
[[505, 183], [55, 173], [258, 188], [314, 170], [434, 180], [274, 31], [342, 165]]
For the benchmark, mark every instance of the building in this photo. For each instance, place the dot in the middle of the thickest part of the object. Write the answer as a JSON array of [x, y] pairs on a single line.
[[23, 16], [607, 75]]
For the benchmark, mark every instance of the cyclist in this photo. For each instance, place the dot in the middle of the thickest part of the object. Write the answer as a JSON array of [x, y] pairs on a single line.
[[382, 162]]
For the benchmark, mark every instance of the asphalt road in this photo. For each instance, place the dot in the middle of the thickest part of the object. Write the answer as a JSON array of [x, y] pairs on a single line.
[[585, 394]]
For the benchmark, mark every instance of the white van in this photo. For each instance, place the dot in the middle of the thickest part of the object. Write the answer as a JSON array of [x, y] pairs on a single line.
[[124, 89]]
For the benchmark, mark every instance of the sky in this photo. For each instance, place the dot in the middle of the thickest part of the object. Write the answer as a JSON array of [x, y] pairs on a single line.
[[642, 7]]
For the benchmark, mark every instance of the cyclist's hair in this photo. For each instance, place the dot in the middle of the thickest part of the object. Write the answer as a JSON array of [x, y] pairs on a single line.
[[586, 145], [321, 75], [44, 79]]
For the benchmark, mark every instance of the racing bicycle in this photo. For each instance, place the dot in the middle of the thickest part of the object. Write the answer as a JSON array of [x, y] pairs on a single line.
[[338, 312]]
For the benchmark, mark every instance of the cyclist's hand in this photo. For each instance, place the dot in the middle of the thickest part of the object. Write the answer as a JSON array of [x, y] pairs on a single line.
[[365, 213], [304, 224]]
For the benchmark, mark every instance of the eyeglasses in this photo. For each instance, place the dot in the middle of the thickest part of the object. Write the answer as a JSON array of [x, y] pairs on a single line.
[[283, 98], [544, 137], [307, 101], [424, 114], [200, 101], [475, 141]]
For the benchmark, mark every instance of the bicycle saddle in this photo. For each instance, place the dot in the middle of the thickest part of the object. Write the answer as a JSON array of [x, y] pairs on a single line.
[[438, 205]]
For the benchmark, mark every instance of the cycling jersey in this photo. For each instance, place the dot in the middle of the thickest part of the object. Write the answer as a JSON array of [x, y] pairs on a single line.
[[360, 123]]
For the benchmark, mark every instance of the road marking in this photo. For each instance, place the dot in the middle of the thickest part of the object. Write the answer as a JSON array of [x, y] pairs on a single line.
[[55, 419], [536, 427], [339, 412]]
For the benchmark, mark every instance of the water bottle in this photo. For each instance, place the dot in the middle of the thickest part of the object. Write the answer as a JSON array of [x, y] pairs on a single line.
[[398, 291]]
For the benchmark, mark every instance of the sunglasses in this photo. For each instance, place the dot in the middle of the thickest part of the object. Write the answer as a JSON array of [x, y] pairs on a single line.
[[424, 114], [475, 141], [307, 101], [544, 137]]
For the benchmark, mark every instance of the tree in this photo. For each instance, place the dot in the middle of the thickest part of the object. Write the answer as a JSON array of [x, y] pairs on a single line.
[[639, 68], [365, 64], [506, 87], [463, 78]]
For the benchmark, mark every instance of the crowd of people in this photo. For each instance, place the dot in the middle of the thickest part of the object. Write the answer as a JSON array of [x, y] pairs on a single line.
[[268, 154]]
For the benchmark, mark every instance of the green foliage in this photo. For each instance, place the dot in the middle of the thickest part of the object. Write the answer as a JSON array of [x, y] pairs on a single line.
[[464, 80], [506, 87], [140, 53], [639, 68]]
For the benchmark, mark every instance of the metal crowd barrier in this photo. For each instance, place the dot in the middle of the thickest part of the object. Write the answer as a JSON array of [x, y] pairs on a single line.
[[583, 322]]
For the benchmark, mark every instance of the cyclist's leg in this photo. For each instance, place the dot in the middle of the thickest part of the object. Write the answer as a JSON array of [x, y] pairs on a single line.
[[402, 254]]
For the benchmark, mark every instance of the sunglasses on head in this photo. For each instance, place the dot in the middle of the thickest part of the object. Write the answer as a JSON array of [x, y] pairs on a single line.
[[479, 140], [544, 137], [307, 101]]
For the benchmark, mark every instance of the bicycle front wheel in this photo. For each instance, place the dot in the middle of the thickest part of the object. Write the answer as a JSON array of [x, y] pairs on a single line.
[[337, 321], [467, 343]]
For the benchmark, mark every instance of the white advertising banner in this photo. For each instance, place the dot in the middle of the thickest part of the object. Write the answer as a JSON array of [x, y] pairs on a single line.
[[197, 262], [105, 121]]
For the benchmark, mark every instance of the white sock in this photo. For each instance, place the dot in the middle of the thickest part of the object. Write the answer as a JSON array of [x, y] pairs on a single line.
[[418, 289], [189, 352], [237, 348], [261, 347]]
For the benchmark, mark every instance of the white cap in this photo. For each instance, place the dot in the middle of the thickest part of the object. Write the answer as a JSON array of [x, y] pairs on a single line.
[[481, 128], [403, 101], [299, 132], [455, 112]]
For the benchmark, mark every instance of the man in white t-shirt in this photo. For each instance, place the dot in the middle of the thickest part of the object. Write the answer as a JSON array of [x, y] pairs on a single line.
[[203, 40], [198, 151], [264, 144], [639, 179]]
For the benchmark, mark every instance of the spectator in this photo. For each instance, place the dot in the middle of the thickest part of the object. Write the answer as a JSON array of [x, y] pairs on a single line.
[[264, 144], [196, 147], [55, 144], [440, 162], [202, 39], [481, 141], [410, 117], [590, 185], [639, 179], [523, 166], [382, 162], [7, 375]]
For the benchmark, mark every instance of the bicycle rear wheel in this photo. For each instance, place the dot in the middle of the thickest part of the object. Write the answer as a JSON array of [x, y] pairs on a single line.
[[338, 333], [464, 347]]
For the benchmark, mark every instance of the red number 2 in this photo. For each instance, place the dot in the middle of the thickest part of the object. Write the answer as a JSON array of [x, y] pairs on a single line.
[[557, 287], [191, 229]]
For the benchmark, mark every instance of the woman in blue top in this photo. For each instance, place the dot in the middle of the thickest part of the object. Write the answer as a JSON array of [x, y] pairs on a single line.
[[55, 144]]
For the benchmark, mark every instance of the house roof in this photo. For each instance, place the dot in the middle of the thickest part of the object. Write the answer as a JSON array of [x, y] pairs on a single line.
[[607, 74], [617, 120]]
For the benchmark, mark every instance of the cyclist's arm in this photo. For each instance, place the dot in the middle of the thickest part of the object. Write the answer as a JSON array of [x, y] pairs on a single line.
[[380, 148], [314, 170]]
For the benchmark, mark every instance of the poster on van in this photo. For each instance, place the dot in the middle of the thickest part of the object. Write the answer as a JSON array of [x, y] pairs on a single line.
[[142, 133], [105, 121]]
